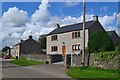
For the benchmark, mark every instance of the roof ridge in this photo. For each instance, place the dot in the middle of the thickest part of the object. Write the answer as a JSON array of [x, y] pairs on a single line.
[[111, 31], [71, 27], [76, 24]]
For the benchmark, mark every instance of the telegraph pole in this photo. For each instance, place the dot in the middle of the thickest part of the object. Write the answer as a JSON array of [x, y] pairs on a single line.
[[83, 51]]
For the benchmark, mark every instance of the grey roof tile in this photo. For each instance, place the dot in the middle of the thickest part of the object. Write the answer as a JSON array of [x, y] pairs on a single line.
[[72, 27], [110, 32]]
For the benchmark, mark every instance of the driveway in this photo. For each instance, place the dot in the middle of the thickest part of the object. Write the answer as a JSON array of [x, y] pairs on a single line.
[[37, 71]]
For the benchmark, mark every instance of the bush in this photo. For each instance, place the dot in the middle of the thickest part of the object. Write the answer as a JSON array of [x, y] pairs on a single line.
[[100, 41], [87, 50], [106, 56], [118, 47]]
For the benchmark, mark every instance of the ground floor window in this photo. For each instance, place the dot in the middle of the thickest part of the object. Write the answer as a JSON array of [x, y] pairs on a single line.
[[76, 47], [54, 48]]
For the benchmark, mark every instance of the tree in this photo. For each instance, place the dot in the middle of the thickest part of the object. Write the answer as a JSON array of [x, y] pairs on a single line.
[[42, 41], [118, 46], [100, 41]]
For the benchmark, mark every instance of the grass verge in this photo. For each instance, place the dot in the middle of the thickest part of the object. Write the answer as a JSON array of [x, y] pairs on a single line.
[[25, 62], [92, 72]]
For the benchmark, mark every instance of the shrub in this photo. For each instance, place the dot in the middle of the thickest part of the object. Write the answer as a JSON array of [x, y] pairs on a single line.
[[106, 56], [100, 41], [118, 47]]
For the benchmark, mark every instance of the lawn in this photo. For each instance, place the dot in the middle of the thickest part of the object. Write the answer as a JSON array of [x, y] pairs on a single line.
[[92, 72], [25, 62]]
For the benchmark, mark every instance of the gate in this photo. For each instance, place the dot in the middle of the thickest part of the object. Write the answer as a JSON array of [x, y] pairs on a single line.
[[56, 58]]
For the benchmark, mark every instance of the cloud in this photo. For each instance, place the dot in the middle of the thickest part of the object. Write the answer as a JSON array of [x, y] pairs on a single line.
[[16, 27], [103, 9], [72, 20], [42, 14], [108, 20], [70, 4], [14, 17]]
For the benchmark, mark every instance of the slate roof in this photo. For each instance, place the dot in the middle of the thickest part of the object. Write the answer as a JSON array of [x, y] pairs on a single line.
[[25, 41], [111, 32], [69, 28]]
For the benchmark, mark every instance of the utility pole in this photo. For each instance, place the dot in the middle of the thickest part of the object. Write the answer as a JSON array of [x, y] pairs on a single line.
[[83, 51]]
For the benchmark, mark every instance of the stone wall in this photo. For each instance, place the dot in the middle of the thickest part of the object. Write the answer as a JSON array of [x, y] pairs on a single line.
[[37, 57], [77, 59]]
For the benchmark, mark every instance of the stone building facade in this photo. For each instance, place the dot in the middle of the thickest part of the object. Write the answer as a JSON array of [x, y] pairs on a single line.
[[26, 47], [72, 36]]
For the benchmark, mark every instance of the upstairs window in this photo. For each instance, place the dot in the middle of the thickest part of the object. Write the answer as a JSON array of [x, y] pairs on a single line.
[[54, 48], [54, 37], [76, 34]]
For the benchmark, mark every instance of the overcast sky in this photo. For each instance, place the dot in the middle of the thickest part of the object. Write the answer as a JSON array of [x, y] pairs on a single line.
[[20, 18]]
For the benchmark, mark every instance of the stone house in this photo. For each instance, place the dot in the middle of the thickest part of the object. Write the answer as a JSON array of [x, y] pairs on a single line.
[[25, 47], [114, 37], [72, 36]]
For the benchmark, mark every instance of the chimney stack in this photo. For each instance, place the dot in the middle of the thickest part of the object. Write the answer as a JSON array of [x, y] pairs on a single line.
[[30, 37], [58, 26], [21, 40], [95, 18]]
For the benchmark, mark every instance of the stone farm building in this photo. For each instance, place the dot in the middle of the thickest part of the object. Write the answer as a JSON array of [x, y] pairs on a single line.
[[25, 47], [72, 36]]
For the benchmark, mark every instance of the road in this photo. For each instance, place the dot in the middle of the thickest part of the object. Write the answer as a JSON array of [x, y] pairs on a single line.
[[37, 71]]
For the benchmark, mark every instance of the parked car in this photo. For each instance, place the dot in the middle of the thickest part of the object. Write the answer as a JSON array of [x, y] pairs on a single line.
[[6, 57]]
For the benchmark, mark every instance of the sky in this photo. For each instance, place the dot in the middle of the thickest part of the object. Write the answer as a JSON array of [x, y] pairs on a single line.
[[19, 19]]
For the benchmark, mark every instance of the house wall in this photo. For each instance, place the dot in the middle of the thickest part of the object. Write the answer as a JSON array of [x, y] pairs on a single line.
[[12, 52], [29, 46], [67, 39], [15, 51]]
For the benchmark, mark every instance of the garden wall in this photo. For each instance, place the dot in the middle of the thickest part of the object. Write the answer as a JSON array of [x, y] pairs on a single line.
[[37, 57], [110, 60], [43, 57], [105, 60]]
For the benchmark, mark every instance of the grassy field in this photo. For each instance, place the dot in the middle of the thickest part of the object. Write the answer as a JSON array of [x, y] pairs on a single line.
[[25, 62], [91, 72]]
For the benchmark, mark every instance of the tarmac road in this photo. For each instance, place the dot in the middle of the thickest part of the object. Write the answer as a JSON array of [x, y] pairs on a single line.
[[37, 71]]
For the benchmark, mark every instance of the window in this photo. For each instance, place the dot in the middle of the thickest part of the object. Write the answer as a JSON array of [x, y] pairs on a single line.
[[53, 38], [76, 34], [76, 47], [54, 48], [73, 35]]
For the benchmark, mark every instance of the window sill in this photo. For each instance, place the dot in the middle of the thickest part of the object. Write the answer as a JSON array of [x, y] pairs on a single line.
[[76, 37], [54, 40], [54, 51]]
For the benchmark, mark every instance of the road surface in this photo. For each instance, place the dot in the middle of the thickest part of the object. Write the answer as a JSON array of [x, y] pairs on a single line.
[[37, 71]]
